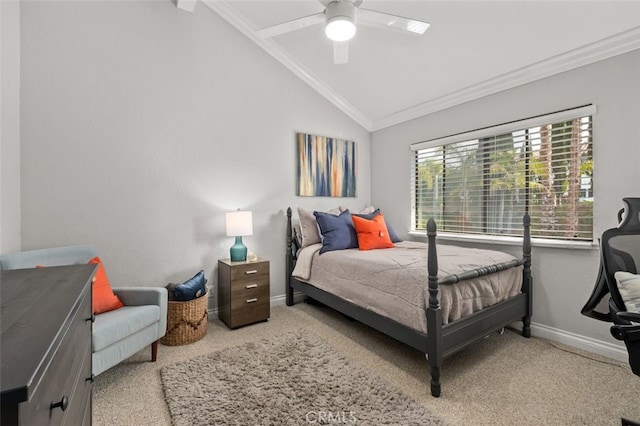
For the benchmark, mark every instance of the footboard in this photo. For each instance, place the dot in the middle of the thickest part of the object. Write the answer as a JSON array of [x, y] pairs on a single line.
[[446, 340]]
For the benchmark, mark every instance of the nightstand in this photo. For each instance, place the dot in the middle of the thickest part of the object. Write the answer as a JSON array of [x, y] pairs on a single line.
[[243, 292]]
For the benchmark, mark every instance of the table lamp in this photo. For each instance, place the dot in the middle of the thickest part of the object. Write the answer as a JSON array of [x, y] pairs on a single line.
[[239, 224]]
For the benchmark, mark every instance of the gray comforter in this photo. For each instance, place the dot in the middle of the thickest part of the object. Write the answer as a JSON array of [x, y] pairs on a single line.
[[393, 282]]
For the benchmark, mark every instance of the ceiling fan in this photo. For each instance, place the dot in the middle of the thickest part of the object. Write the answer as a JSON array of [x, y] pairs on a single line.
[[339, 17]]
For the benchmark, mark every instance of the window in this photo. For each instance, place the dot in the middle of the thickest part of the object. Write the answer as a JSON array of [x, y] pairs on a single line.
[[483, 182]]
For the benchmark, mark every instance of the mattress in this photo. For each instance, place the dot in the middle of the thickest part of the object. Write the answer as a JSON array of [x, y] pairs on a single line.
[[394, 282]]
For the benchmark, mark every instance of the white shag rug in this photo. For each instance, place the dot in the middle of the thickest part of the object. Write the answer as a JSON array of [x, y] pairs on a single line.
[[292, 379]]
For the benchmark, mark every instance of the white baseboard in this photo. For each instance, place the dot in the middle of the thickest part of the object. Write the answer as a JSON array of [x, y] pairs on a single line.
[[282, 300], [611, 350]]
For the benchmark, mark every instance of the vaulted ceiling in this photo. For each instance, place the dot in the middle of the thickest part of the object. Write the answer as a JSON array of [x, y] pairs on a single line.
[[472, 49]]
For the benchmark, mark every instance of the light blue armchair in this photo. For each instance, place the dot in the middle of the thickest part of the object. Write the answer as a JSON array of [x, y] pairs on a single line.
[[116, 334]]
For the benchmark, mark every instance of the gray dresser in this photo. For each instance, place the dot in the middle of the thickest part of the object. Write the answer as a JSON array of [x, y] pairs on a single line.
[[45, 345]]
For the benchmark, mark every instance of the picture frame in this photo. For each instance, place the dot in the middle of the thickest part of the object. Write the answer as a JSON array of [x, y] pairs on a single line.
[[327, 167]]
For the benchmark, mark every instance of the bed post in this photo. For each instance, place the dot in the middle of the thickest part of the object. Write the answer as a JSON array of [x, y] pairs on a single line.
[[289, 261], [434, 313], [526, 275]]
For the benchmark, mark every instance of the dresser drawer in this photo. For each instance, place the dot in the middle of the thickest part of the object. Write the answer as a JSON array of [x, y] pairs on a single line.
[[59, 381], [81, 395]]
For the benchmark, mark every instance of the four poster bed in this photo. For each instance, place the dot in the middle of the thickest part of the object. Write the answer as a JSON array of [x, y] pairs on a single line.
[[438, 312]]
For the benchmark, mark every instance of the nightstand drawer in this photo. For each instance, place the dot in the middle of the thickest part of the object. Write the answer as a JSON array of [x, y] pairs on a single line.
[[248, 284], [249, 312], [250, 271], [245, 298]]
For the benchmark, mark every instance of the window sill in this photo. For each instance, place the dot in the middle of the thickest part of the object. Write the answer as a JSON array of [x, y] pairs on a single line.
[[509, 241]]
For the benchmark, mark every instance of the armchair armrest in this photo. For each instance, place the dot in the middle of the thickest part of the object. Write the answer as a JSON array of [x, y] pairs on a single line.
[[136, 296]]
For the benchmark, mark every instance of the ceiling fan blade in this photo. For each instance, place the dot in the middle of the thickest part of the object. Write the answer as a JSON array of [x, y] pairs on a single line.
[[187, 5], [372, 17], [340, 52], [289, 26]]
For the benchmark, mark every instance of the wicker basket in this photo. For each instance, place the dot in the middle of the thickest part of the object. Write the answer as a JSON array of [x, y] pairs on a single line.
[[186, 321]]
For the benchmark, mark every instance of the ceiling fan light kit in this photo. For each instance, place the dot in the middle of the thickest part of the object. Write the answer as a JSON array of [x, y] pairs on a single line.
[[341, 17]]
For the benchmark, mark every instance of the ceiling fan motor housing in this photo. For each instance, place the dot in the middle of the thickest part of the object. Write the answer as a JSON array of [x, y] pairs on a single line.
[[337, 12]]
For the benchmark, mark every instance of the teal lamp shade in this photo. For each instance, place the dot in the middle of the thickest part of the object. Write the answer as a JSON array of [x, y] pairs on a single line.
[[239, 224]]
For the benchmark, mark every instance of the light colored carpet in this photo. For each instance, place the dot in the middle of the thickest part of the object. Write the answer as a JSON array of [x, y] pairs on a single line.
[[290, 379], [503, 380]]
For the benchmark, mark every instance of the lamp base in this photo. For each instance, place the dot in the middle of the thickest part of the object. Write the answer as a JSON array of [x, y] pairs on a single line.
[[238, 251]]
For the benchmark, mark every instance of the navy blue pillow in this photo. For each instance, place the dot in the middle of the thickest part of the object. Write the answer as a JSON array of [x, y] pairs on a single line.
[[192, 288], [337, 232], [395, 238]]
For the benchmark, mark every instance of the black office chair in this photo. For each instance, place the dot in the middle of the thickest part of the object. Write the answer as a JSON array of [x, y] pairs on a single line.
[[619, 251]]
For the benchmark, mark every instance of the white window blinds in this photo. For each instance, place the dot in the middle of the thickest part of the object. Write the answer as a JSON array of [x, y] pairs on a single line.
[[482, 182]]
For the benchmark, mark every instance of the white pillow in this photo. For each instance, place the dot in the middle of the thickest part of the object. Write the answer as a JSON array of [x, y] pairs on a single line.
[[309, 227], [365, 210], [629, 287]]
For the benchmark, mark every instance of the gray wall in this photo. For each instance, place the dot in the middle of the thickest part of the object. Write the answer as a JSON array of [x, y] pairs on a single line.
[[143, 124], [10, 127], [563, 278]]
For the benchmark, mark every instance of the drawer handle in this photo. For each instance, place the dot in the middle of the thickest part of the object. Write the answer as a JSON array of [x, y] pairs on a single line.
[[251, 286], [254, 271], [92, 318], [252, 300], [63, 404]]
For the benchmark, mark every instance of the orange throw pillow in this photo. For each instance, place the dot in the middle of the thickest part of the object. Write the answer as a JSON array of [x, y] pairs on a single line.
[[372, 234], [103, 299]]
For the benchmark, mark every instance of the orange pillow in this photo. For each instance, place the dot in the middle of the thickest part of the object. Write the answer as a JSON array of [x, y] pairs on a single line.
[[103, 299], [372, 234]]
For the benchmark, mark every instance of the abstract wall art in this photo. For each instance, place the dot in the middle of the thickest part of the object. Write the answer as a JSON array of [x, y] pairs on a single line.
[[326, 166]]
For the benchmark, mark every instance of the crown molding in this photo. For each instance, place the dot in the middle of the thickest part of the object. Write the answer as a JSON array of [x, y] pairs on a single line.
[[269, 46], [603, 49]]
